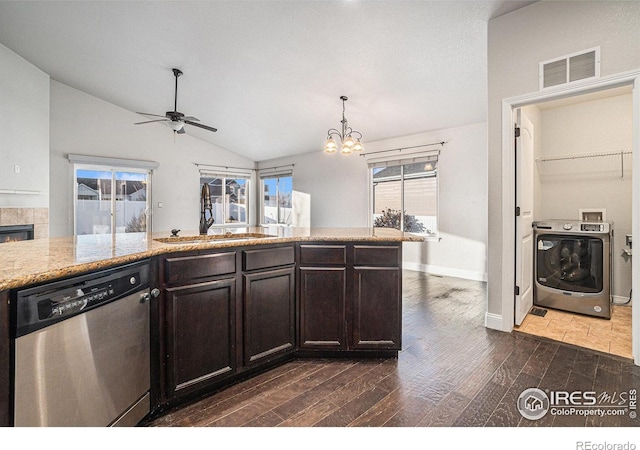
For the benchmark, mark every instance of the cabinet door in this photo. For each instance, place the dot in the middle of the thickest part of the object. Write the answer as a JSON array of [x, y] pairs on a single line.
[[200, 335], [269, 315], [5, 366], [377, 308], [322, 308]]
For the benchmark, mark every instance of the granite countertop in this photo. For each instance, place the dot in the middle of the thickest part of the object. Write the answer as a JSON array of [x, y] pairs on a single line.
[[28, 262]]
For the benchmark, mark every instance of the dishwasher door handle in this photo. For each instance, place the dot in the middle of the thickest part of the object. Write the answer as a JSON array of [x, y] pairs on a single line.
[[155, 292]]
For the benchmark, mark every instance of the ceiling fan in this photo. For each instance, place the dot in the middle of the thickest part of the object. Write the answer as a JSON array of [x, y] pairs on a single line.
[[176, 120]]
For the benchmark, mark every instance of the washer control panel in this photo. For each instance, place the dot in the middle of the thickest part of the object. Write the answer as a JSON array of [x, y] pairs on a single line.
[[574, 226], [593, 227]]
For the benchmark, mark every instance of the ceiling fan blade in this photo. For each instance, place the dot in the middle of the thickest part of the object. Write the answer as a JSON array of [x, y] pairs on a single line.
[[147, 114], [201, 126], [191, 118], [151, 121]]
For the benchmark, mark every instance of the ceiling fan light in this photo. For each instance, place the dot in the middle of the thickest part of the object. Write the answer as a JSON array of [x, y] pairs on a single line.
[[357, 146], [330, 146], [176, 125]]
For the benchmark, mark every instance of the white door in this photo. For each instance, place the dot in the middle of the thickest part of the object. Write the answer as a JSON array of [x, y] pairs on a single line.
[[524, 217]]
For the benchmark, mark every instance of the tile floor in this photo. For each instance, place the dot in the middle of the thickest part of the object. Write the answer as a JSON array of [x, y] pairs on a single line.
[[608, 336]]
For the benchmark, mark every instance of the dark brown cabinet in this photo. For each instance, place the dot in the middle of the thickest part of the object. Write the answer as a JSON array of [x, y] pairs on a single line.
[[200, 334], [322, 306], [376, 311], [268, 319], [350, 296], [228, 313], [377, 297], [197, 317], [269, 315], [5, 366], [322, 300]]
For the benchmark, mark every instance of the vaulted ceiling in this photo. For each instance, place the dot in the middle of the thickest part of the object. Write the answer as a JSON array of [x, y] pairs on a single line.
[[269, 74]]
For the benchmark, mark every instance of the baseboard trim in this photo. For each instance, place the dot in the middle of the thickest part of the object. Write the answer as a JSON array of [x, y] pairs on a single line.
[[445, 271], [493, 321], [620, 300]]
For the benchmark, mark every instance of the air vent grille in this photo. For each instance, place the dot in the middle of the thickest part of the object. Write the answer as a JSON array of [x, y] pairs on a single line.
[[570, 68]]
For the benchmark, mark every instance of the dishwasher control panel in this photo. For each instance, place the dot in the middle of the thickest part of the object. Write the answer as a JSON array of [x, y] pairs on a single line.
[[76, 300], [45, 305]]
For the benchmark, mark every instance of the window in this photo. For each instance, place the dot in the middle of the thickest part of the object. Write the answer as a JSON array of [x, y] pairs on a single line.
[[405, 195], [277, 198], [229, 197], [111, 200]]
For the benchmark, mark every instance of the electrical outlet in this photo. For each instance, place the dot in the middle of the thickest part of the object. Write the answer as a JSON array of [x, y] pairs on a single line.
[[159, 204], [16, 168]]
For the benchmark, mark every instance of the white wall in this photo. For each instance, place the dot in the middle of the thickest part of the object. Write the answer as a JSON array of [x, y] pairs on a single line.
[[461, 250], [24, 140], [337, 186], [568, 185], [517, 42], [83, 124], [339, 190]]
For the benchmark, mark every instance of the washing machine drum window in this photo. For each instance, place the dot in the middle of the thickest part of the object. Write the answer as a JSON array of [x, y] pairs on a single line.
[[570, 263]]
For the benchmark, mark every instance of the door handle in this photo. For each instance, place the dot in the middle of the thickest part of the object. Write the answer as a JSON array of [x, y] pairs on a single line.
[[155, 292]]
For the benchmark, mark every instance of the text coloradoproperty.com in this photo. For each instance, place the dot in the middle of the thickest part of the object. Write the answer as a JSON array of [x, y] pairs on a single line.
[[600, 412]]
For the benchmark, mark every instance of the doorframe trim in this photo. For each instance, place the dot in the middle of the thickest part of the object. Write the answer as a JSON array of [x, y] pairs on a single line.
[[631, 78]]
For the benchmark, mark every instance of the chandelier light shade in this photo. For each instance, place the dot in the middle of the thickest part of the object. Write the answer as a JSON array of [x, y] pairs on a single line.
[[348, 143]]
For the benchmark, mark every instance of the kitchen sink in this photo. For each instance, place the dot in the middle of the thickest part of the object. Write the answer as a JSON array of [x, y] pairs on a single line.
[[227, 237]]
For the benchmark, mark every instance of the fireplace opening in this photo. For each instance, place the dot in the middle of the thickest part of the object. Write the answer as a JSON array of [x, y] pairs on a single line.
[[14, 233]]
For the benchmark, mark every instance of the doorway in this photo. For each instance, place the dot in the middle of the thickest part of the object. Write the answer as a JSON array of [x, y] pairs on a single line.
[[510, 240]]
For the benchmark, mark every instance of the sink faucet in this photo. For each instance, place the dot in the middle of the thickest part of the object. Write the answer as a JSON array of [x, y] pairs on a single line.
[[205, 205]]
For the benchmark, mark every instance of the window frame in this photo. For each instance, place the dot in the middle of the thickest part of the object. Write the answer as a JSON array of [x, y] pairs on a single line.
[[225, 175], [114, 169], [401, 162], [264, 175]]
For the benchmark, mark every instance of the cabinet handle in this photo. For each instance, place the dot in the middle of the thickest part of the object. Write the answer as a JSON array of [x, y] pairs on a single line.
[[155, 292]]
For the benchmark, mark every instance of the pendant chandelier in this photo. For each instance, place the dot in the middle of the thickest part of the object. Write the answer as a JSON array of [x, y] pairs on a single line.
[[347, 141]]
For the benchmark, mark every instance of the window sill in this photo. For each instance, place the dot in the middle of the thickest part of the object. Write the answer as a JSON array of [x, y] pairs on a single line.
[[429, 238]]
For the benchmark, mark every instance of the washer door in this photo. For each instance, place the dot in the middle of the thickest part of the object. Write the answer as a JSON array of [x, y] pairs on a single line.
[[570, 263]]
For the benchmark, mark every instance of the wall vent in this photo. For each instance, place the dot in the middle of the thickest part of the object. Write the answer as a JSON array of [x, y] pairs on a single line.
[[567, 69]]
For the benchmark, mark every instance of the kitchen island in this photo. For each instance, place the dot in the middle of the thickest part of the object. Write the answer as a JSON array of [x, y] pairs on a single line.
[[230, 305], [36, 261]]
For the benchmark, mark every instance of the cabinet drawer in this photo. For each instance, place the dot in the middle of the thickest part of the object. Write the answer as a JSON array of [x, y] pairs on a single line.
[[376, 255], [188, 269], [268, 257], [323, 254]]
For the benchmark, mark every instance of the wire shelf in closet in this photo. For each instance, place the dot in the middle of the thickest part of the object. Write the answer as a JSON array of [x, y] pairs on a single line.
[[620, 153]]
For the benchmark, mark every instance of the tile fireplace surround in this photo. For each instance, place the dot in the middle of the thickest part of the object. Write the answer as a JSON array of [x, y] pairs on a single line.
[[39, 217]]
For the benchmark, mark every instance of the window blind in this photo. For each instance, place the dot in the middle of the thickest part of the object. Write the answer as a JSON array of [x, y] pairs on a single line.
[[398, 160], [226, 173], [276, 172], [113, 162]]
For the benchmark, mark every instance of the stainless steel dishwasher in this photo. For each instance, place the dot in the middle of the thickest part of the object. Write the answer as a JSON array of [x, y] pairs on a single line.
[[81, 350]]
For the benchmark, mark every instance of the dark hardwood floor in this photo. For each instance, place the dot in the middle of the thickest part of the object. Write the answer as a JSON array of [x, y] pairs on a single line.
[[452, 372]]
